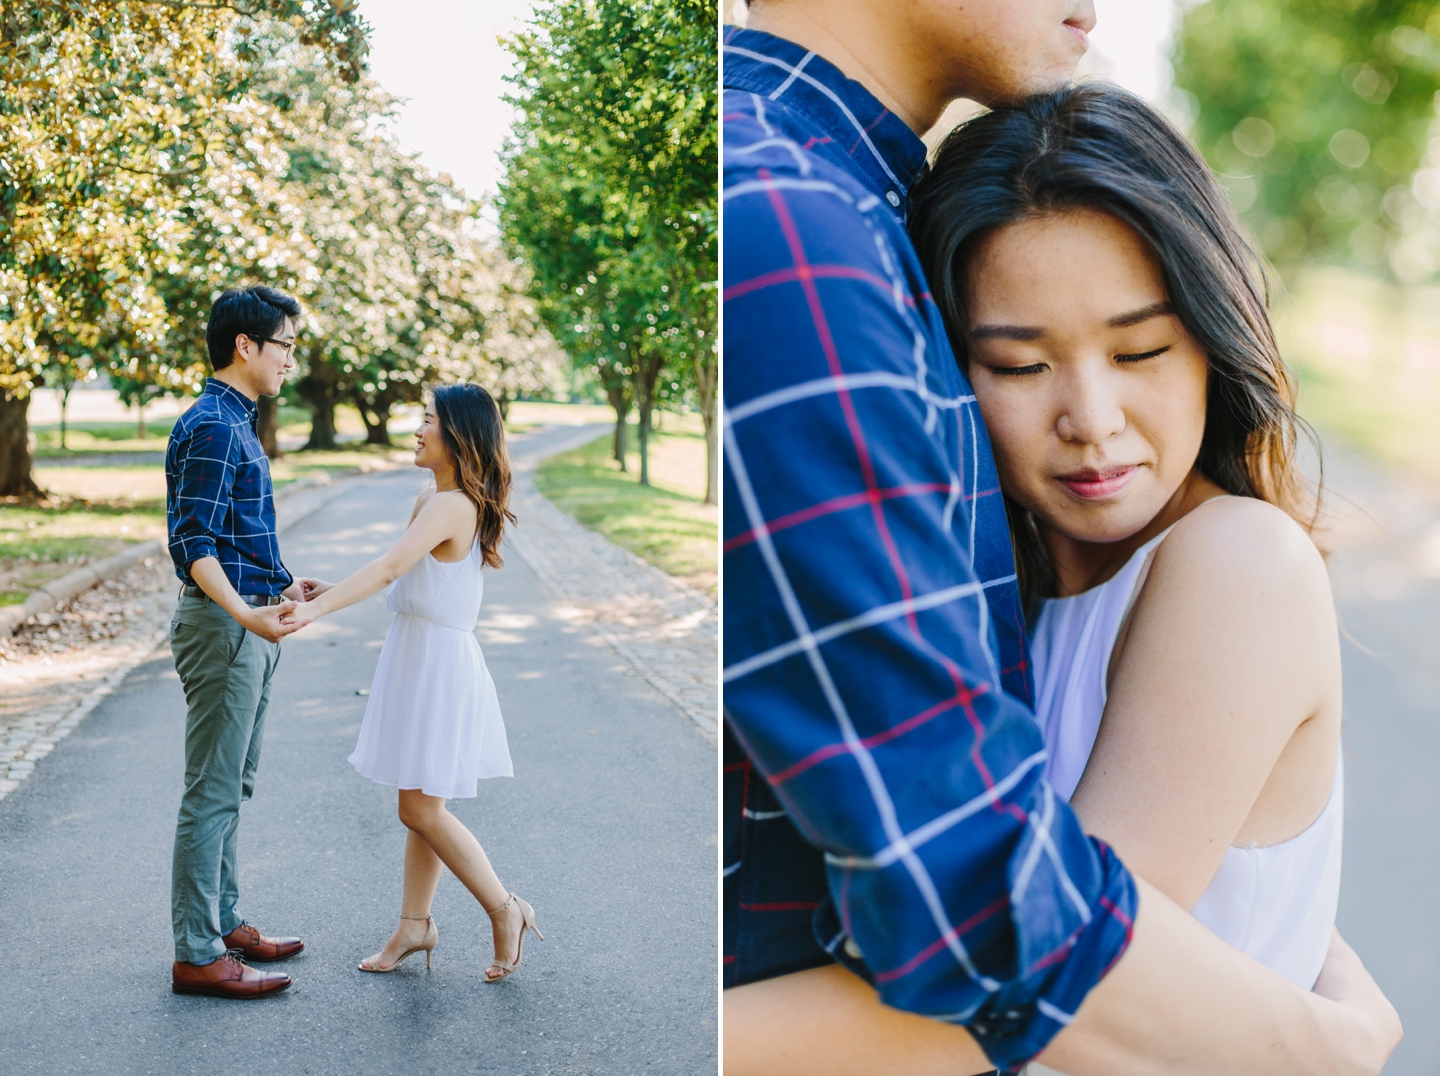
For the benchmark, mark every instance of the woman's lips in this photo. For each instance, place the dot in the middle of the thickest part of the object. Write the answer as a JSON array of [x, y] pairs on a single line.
[[1097, 485]]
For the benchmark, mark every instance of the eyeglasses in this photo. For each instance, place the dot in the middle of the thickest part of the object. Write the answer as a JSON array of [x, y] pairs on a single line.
[[288, 345]]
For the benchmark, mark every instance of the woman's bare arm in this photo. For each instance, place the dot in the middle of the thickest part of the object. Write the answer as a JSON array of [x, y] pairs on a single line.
[[1180, 1002], [434, 522], [1231, 649]]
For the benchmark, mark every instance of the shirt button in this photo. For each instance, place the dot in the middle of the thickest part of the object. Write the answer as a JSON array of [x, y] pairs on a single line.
[[892, 198], [852, 950]]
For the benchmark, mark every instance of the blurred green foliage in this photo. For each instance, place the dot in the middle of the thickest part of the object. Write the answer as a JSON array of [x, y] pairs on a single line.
[[1318, 115], [609, 196]]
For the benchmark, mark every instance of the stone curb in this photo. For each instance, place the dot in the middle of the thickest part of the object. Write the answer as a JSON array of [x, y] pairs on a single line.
[[293, 503], [552, 578]]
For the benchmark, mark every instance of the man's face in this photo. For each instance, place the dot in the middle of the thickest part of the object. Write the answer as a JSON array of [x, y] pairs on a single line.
[[997, 50], [266, 362]]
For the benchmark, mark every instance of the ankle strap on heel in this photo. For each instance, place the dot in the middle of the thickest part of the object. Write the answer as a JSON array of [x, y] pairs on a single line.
[[426, 916], [502, 907]]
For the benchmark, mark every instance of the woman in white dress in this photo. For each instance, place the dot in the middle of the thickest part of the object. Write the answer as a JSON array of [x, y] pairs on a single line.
[[1112, 320], [432, 726]]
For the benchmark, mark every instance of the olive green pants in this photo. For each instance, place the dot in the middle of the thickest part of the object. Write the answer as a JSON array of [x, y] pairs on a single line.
[[226, 673]]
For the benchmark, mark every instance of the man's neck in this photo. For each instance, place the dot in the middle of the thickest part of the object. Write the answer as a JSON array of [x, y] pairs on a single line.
[[236, 380], [859, 40]]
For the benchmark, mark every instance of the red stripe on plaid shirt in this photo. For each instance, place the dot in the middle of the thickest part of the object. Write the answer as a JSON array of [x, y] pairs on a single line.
[[939, 944], [840, 504], [831, 750], [815, 272]]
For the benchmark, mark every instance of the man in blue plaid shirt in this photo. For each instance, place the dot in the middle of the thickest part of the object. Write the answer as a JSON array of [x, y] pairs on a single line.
[[225, 635], [885, 805]]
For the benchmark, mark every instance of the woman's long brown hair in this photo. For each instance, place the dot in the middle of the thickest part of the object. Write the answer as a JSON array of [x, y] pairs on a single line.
[[1102, 148], [473, 431]]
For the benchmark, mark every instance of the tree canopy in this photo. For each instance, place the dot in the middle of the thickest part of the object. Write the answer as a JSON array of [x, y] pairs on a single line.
[[154, 152], [608, 198], [1319, 115]]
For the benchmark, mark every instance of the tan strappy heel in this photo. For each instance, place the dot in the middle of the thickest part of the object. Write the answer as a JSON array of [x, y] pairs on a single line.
[[427, 944], [527, 922]]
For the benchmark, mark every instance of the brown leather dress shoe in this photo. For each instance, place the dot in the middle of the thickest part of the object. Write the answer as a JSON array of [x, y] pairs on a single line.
[[256, 947], [227, 977]]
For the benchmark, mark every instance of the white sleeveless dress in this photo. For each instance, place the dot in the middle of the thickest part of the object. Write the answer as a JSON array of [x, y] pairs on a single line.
[[1278, 903], [433, 720]]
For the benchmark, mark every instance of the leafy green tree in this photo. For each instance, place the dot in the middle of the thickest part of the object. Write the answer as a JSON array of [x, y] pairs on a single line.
[[1317, 114], [609, 190], [109, 116]]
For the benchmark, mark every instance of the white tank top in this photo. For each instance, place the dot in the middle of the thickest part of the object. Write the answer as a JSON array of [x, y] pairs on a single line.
[[1278, 903]]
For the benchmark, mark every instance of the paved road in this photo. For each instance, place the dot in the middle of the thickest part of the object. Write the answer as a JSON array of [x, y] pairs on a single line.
[[608, 829], [1386, 573]]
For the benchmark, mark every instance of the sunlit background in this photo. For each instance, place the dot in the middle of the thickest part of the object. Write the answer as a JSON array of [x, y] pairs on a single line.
[[444, 58], [1319, 116]]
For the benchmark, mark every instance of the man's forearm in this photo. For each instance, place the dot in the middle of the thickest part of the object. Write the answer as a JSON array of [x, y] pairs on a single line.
[[1179, 1003], [211, 578], [1182, 1001]]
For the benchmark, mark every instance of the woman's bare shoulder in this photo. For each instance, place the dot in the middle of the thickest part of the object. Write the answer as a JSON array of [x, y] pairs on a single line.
[[1239, 575], [1245, 542], [451, 506]]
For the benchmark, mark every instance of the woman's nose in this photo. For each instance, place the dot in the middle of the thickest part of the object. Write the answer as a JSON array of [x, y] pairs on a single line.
[[1090, 410]]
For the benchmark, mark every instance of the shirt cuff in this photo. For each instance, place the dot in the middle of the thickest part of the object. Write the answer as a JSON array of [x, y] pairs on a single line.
[[1026, 1014], [186, 551]]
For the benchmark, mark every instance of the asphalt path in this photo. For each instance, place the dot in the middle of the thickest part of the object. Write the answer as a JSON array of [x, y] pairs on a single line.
[[1386, 574], [608, 829]]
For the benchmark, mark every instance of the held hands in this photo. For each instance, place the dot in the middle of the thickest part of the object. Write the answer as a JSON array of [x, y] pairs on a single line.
[[299, 614], [306, 589], [313, 588], [273, 622]]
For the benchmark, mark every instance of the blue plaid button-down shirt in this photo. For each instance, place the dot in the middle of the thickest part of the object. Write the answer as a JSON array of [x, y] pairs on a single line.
[[885, 803], [218, 498]]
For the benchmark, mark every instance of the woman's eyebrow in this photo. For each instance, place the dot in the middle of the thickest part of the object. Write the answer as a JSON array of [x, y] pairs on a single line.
[[1145, 313], [1005, 332], [1027, 332]]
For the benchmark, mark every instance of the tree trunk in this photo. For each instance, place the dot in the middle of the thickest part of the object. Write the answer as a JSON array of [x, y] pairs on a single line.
[[647, 372], [16, 479], [318, 389], [707, 378], [64, 410], [140, 430], [615, 393], [267, 423], [502, 401], [376, 419], [378, 433]]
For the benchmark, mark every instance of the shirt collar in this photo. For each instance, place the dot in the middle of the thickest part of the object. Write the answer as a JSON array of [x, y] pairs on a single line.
[[231, 398], [884, 150]]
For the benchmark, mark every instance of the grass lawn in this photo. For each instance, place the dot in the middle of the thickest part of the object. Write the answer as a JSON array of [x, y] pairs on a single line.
[[666, 523], [40, 544]]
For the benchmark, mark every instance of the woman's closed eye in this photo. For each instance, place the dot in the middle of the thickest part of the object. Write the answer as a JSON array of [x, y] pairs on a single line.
[[1018, 371], [1143, 355]]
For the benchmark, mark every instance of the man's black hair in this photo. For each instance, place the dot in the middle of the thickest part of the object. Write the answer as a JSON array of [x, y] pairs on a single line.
[[257, 312]]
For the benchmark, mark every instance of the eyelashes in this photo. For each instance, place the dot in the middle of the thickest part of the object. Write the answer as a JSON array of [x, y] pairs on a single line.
[[1035, 368], [1143, 356]]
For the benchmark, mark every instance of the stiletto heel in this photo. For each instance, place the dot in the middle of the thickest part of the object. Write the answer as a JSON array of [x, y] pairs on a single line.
[[527, 922], [427, 945]]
